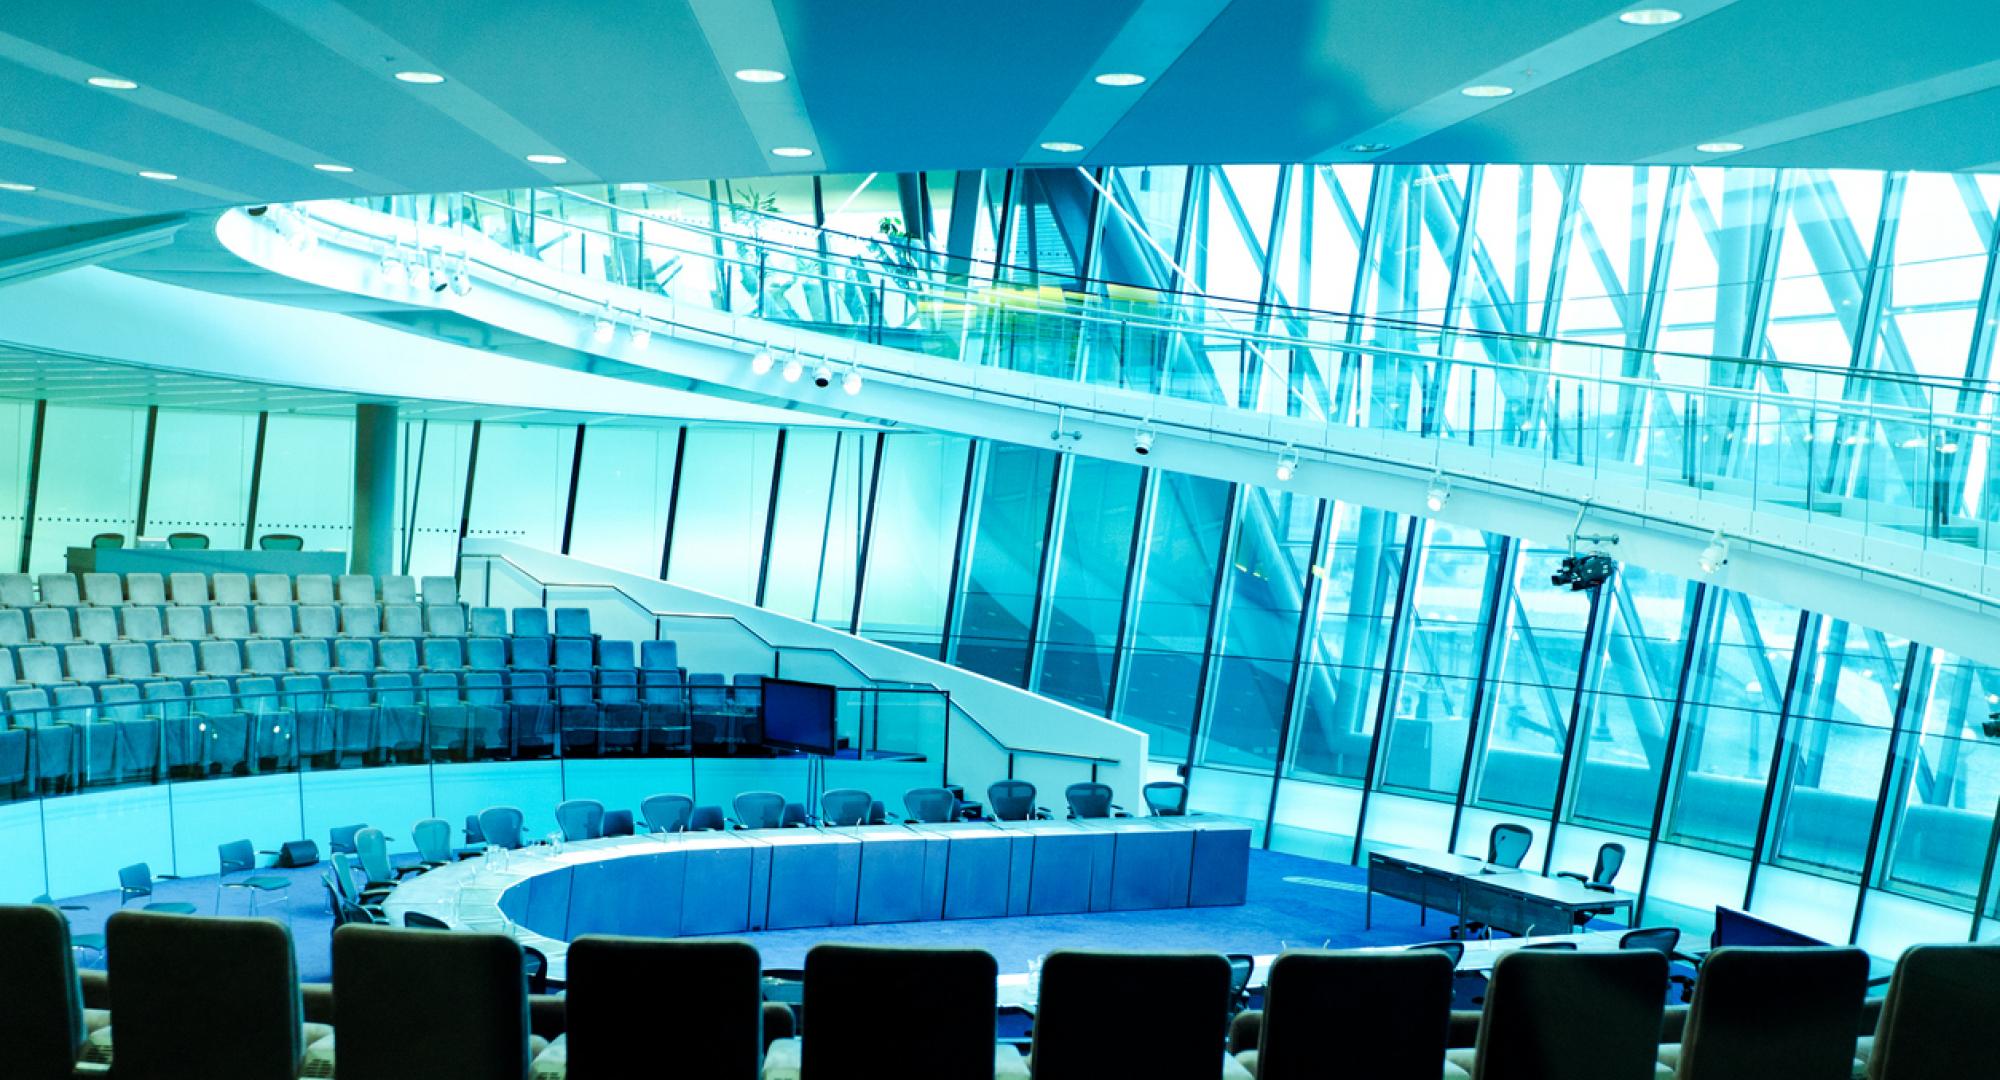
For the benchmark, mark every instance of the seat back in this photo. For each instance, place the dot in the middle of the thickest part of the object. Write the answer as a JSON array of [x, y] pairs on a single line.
[[203, 997], [356, 589], [187, 587], [1661, 939], [187, 541], [341, 839], [703, 999], [236, 856], [264, 657], [666, 813], [373, 849], [572, 622], [399, 589], [313, 589], [580, 819], [706, 819], [1762, 1012], [1089, 800], [420, 1003], [531, 622], [488, 622], [501, 826], [447, 619], [1567, 1015], [60, 590], [51, 625], [440, 590], [99, 626], [845, 806], [402, 620], [618, 823], [931, 805], [17, 590], [1119, 1014], [40, 995], [760, 809], [13, 626], [1508, 844], [1610, 860], [230, 589], [1940, 1015], [944, 1000], [1011, 800], [271, 589], [1165, 798], [280, 542], [1385, 1015]]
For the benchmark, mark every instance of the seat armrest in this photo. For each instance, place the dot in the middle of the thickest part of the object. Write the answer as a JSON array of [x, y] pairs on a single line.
[[1573, 876]]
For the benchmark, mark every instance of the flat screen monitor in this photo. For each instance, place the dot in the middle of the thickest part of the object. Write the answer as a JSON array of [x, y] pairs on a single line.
[[798, 716], [1733, 927]]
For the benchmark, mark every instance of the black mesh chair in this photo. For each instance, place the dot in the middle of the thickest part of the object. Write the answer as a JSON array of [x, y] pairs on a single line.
[[280, 542], [618, 823], [706, 819], [944, 1006], [1789, 1012], [1012, 800], [930, 805], [1091, 799], [1130, 1014], [197, 998], [107, 541], [580, 819], [39, 995], [187, 541], [1610, 859], [794, 816], [1380, 1015], [760, 810], [702, 999], [1508, 844], [1940, 1015], [1165, 798], [1241, 967], [666, 813], [438, 1006], [1565, 1015], [417, 920], [845, 806]]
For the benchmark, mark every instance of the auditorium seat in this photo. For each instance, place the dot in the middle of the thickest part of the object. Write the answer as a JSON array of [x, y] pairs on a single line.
[[140, 623], [317, 621], [187, 623], [99, 626], [395, 654], [223, 659], [356, 589], [445, 619], [313, 589], [13, 626], [488, 622], [145, 590], [1940, 1015], [85, 664], [41, 665], [1112, 1014], [572, 654], [402, 620], [703, 999], [204, 997], [442, 1005], [51, 625], [231, 589], [312, 655], [17, 590], [440, 591], [353, 654], [187, 589], [103, 590], [272, 589], [40, 995], [229, 621], [399, 589], [486, 654], [571, 622], [1380, 1015], [531, 622], [360, 620], [59, 590], [1760, 1012], [275, 621], [529, 653], [1538, 1000], [944, 1006]]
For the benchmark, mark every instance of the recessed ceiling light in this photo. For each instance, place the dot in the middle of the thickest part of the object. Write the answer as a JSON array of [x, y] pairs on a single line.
[[1367, 148], [1120, 78], [8, 185], [421, 78], [152, 174], [760, 75], [792, 151], [327, 166], [1719, 147], [1651, 16], [106, 82], [634, 186], [1063, 147], [1485, 90], [548, 159]]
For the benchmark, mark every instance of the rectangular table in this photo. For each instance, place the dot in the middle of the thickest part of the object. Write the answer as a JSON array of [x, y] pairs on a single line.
[[83, 560], [1507, 899]]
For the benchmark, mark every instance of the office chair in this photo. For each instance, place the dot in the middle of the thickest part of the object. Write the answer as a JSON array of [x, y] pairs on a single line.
[[205, 997], [501, 826], [535, 965], [666, 813], [1508, 844], [794, 816], [1380, 1015], [1013, 800], [706, 819], [1530, 1028], [135, 882], [1663, 940], [417, 920], [40, 997], [580, 819], [1091, 799], [280, 542], [944, 1005], [1241, 967], [463, 992], [1772, 1012], [618, 823], [187, 541], [107, 541], [845, 806], [703, 999], [239, 857], [1165, 798], [1610, 859], [340, 839], [1130, 1014], [1939, 1017], [930, 805], [433, 839]]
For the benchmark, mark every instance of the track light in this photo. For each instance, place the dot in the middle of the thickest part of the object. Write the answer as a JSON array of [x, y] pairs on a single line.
[[1142, 442], [794, 369], [413, 268], [1288, 465], [603, 328], [1438, 494], [760, 364], [642, 335], [461, 282], [1716, 555], [823, 375], [851, 384], [439, 280]]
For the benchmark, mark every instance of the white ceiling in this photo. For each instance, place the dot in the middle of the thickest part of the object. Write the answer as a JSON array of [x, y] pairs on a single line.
[[239, 99]]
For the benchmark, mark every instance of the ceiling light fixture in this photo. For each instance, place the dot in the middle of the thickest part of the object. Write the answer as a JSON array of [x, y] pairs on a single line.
[[1063, 147], [760, 364], [327, 166], [851, 384], [8, 185], [760, 75], [635, 185], [1142, 442], [1438, 493], [1650, 17], [548, 159], [642, 336], [603, 328], [420, 78], [1288, 465], [152, 174], [106, 82], [1719, 147], [1716, 555], [823, 375], [1487, 90], [792, 151], [1119, 78], [794, 368], [461, 282]]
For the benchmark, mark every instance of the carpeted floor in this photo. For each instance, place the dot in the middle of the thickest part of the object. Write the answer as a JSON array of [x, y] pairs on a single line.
[[1293, 901]]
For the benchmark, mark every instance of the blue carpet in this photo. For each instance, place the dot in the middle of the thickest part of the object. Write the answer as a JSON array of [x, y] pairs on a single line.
[[1293, 901]]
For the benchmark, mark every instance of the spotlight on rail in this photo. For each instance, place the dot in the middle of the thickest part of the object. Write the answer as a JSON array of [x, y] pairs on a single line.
[[793, 369], [642, 335], [1716, 555], [761, 363], [1288, 465], [1142, 442], [823, 376], [851, 382], [1438, 494]]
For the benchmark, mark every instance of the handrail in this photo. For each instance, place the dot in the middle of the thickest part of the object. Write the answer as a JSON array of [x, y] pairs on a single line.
[[1024, 751]]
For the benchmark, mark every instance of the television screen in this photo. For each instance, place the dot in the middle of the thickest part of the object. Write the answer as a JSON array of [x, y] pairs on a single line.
[[798, 716]]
